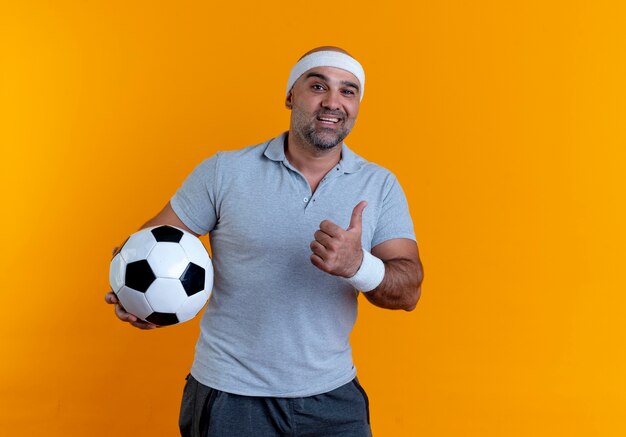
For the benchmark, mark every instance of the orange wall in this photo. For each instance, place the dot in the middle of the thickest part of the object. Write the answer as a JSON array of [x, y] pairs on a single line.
[[504, 122]]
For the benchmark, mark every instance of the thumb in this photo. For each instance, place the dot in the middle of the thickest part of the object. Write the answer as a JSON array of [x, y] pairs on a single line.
[[357, 215]]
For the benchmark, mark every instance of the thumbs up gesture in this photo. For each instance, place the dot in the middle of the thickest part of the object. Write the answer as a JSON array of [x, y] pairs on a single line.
[[338, 251]]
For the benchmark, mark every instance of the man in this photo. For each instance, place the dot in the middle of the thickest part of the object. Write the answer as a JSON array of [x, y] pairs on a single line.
[[297, 225]]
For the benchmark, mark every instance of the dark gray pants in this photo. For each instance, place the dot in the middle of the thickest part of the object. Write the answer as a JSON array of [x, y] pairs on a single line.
[[206, 412]]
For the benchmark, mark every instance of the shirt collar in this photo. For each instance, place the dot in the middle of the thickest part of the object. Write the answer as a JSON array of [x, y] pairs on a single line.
[[350, 162]]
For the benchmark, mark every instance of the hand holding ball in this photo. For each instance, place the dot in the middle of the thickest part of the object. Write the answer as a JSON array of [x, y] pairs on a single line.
[[162, 275]]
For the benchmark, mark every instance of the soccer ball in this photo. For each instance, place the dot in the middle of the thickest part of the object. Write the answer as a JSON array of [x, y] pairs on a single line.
[[162, 275]]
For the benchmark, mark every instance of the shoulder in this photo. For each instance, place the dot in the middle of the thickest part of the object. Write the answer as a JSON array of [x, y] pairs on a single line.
[[243, 158], [228, 162], [375, 174], [361, 167], [247, 158]]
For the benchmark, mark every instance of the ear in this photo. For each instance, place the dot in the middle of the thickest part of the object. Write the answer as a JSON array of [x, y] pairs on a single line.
[[288, 100]]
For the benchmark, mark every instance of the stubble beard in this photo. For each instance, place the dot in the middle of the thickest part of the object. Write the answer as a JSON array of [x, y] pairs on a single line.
[[321, 139]]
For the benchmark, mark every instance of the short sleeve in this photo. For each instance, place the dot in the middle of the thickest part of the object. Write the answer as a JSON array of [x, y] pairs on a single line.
[[194, 202], [394, 220]]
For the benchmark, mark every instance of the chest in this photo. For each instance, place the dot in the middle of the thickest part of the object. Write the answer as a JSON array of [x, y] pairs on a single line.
[[276, 210]]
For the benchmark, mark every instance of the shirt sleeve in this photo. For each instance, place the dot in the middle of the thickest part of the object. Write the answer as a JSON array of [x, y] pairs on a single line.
[[195, 202], [394, 220]]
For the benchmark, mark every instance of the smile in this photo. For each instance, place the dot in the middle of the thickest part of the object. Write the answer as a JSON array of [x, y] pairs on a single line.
[[329, 120]]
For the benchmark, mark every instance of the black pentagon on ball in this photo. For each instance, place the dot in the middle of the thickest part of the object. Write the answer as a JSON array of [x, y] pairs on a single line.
[[193, 279], [139, 275], [162, 319], [167, 234]]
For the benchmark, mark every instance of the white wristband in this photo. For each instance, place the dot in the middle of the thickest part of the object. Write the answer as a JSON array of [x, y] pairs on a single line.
[[369, 275]]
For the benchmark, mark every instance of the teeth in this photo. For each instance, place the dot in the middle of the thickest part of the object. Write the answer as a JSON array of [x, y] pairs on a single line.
[[332, 120]]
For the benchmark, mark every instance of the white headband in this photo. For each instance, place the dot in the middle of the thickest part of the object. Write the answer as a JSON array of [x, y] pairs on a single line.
[[327, 59]]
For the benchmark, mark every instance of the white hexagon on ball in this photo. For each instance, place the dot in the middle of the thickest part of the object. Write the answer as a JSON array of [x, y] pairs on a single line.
[[116, 272], [168, 260], [208, 278], [135, 302], [193, 247], [138, 246], [192, 306], [166, 295]]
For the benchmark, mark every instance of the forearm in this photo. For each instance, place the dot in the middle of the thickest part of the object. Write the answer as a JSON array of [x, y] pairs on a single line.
[[401, 285]]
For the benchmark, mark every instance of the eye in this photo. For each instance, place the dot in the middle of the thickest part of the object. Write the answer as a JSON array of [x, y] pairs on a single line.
[[349, 92], [317, 87]]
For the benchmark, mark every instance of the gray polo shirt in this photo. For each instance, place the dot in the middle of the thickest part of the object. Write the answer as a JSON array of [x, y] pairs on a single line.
[[276, 325]]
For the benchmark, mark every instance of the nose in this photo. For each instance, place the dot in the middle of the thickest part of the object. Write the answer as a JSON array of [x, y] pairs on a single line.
[[331, 100]]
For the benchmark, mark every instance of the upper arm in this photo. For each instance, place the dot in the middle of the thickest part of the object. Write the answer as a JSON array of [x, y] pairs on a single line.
[[167, 216], [195, 202]]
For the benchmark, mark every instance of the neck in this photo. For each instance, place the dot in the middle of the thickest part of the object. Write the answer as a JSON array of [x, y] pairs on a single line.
[[307, 158]]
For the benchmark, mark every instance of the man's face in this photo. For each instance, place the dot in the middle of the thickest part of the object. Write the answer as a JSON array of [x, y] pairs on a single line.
[[324, 104]]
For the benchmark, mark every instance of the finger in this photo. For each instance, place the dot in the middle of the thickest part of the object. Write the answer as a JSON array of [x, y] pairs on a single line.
[[115, 250], [357, 215], [319, 250], [124, 316], [319, 263], [143, 325], [323, 238], [331, 228], [110, 298]]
